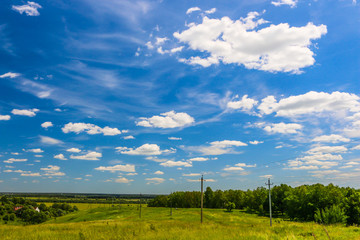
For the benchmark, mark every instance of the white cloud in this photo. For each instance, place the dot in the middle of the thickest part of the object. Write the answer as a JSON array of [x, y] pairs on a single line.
[[238, 167], [49, 140], [154, 180], [160, 41], [35, 150], [191, 174], [323, 173], [91, 156], [10, 75], [357, 147], [4, 117], [175, 138], [146, 149], [276, 48], [210, 11], [167, 120], [327, 149], [28, 112], [30, 9], [129, 137], [90, 129], [171, 163], [47, 124], [284, 128], [123, 180], [291, 3], [60, 156], [198, 159], [218, 147], [74, 150], [245, 104], [30, 174], [52, 170], [255, 142], [159, 172], [116, 168], [193, 9], [12, 160], [310, 103], [333, 138], [266, 176], [177, 49]]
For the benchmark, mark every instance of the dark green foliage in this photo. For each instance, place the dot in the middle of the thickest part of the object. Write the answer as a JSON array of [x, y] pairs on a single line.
[[27, 213], [229, 206], [299, 203], [331, 215]]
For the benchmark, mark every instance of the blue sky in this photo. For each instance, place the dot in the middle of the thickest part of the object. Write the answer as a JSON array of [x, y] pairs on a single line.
[[145, 96]]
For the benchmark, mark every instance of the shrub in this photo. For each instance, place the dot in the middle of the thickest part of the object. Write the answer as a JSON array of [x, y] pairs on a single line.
[[331, 215], [229, 206]]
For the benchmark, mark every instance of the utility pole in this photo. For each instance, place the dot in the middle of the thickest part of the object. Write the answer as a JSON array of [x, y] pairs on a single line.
[[269, 184], [170, 205], [202, 197], [140, 206]]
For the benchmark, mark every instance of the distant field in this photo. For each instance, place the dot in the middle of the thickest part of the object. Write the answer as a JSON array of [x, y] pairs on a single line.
[[156, 223]]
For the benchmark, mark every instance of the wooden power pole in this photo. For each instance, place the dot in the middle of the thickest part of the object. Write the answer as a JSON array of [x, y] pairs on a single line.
[[170, 205], [269, 184], [202, 197], [140, 206]]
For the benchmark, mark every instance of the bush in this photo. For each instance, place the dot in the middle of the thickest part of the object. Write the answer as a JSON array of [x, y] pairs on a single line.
[[229, 206], [331, 215]]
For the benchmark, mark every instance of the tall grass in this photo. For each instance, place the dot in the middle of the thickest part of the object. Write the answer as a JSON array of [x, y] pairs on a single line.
[[156, 223]]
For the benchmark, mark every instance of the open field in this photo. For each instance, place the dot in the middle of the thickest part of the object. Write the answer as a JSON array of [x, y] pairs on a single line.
[[156, 223]]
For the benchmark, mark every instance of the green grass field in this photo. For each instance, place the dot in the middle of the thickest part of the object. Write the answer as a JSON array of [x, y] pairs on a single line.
[[124, 222]]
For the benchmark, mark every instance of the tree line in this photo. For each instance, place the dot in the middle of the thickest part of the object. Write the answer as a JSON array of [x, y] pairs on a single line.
[[325, 204], [29, 212]]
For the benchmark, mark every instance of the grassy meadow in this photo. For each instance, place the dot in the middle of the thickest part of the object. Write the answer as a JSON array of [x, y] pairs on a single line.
[[123, 222]]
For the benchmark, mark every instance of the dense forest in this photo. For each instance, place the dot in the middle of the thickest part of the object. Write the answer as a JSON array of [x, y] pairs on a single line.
[[324, 204], [29, 212]]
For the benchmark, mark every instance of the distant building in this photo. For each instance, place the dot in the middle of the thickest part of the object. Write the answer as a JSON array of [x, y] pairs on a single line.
[[37, 209]]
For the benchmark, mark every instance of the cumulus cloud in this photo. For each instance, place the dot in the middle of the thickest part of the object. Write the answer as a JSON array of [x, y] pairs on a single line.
[[171, 163], [193, 9], [175, 138], [245, 104], [284, 128], [25, 112], [4, 117], [327, 149], [146, 150], [198, 159], [30, 9], [90, 129], [314, 161], [91, 156], [357, 147], [35, 150], [167, 120], [159, 172], [276, 48], [218, 147], [74, 150], [191, 174], [12, 160], [60, 156], [210, 11], [52, 170], [10, 75], [123, 180], [129, 137], [238, 167], [310, 103], [118, 168], [30, 174], [255, 142], [49, 140], [154, 180], [333, 138], [47, 125], [291, 3]]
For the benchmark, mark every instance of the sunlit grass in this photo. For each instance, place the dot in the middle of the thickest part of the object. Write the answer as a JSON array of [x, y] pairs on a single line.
[[124, 222]]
